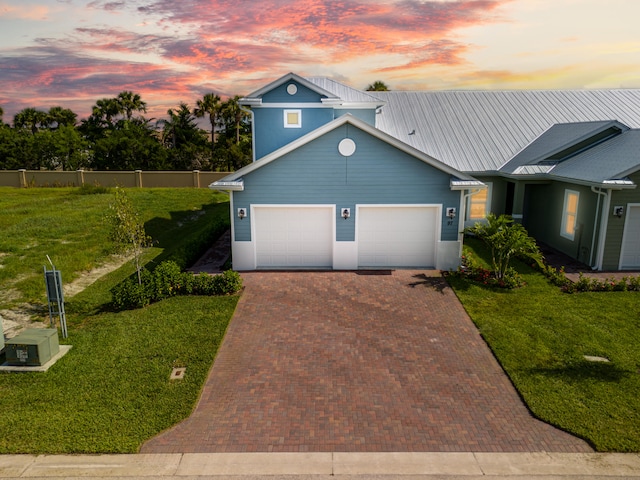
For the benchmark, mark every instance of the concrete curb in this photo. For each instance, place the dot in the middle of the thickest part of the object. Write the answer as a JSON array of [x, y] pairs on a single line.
[[391, 465]]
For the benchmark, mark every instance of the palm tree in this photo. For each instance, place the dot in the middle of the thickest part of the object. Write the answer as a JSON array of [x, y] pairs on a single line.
[[105, 109], [130, 102], [378, 86], [234, 114], [31, 119], [1, 113], [58, 117], [210, 105]]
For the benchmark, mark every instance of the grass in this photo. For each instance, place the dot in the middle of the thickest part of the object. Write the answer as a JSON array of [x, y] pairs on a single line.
[[541, 335], [70, 228], [112, 391]]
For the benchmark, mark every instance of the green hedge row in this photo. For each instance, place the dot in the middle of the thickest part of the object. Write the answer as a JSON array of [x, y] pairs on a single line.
[[167, 280]]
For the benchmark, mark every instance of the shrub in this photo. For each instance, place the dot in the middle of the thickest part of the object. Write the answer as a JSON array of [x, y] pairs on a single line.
[[472, 270], [130, 294], [167, 280]]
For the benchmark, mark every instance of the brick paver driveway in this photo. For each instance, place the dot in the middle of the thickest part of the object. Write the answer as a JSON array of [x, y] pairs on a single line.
[[344, 361]]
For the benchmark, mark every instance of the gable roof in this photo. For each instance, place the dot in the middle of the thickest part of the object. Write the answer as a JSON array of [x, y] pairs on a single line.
[[255, 98], [479, 131], [560, 139], [233, 181], [621, 153]]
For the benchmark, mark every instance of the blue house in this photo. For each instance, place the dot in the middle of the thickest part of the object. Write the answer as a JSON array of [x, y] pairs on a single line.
[[345, 179], [327, 189]]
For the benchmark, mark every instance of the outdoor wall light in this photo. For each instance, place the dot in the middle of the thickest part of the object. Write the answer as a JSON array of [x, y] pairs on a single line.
[[451, 212], [346, 213], [618, 211], [242, 212]]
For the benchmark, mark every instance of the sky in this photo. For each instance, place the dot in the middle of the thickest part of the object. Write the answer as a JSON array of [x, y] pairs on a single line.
[[72, 53]]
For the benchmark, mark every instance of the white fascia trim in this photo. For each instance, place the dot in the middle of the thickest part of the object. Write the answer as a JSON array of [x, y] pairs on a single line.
[[288, 77], [229, 186], [362, 105], [362, 125], [294, 105]]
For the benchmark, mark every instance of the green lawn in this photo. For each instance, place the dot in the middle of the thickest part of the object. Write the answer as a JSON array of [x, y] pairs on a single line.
[[541, 335], [112, 390]]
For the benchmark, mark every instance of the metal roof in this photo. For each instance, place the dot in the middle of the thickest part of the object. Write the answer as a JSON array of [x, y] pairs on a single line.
[[479, 131], [556, 139], [345, 92], [620, 152]]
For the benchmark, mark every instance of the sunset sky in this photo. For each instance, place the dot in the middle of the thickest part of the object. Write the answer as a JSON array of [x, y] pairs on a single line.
[[73, 52]]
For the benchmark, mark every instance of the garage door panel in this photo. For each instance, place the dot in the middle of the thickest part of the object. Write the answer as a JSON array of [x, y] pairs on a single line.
[[292, 236], [630, 252], [397, 236]]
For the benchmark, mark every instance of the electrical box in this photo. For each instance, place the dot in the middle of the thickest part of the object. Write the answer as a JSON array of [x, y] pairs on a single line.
[[33, 347], [1, 335]]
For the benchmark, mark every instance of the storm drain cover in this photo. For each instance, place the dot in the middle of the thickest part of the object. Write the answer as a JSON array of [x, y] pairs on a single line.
[[178, 373]]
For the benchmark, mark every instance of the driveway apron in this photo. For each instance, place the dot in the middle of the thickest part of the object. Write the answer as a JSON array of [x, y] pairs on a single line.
[[357, 362]]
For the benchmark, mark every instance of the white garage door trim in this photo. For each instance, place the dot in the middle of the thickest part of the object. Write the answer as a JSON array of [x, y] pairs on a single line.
[[630, 249], [293, 236], [398, 235]]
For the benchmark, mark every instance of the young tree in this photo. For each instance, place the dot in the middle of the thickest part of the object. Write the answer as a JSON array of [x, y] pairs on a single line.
[[127, 230], [506, 240]]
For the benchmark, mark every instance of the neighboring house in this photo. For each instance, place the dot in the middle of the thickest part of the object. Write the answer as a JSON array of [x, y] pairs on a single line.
[[346, 179]]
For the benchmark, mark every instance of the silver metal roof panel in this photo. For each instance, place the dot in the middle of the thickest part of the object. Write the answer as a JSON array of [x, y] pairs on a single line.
[[479, 131]]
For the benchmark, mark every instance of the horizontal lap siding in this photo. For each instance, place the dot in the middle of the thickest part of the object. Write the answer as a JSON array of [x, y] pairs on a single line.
[[616, 225], [317, 174]]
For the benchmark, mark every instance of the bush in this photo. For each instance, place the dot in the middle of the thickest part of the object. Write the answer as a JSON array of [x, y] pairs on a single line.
[[472, 270], [130, 294], [166, 281]]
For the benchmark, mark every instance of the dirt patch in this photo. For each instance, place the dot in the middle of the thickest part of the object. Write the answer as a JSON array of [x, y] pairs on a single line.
[[17, 319], [87, 278]]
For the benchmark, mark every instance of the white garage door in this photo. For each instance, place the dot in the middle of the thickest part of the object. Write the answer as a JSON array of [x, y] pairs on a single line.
[[630, 253], [292, 236], [397, 236]]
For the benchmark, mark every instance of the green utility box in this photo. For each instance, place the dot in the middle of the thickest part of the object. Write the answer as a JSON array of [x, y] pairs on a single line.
[[33, 347]]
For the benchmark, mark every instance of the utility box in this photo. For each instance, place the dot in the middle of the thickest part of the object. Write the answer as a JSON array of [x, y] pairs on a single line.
[[1, 335], [33, 347]]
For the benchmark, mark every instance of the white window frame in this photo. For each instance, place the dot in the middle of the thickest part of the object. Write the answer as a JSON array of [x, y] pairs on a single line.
[[286, 119], [469, 222], [566, 214]]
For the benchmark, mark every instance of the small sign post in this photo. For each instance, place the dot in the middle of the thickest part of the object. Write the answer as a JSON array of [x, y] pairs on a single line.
[[53, 281]]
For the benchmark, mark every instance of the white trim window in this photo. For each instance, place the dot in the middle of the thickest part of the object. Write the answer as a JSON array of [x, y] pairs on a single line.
[[478, 205], [570, 214], [293, 119]]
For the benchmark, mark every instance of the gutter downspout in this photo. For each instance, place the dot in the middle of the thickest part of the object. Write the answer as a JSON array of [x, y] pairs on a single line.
[[604, 222], [253, 132]]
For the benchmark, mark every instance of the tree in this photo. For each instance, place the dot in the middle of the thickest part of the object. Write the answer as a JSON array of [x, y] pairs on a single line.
[[104, 111], [184, 140], [127, 230], [378, 86], [30, 119], [58, 117], [234, 115], [130, 102], [209, 105], [506, 240], [1, 114]]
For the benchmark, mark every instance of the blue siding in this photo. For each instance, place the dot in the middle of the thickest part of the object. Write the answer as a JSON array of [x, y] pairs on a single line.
[[270, 133], [280, 95], [317, 174], [365, 114]]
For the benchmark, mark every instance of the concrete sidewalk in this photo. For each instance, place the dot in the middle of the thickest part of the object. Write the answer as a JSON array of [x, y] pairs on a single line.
[[468, 466]]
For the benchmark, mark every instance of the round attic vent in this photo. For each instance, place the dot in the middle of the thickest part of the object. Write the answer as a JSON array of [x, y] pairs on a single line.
[[292, 89], [347, 147]]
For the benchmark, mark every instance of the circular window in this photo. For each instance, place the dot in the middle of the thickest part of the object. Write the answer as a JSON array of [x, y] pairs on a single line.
[[292, 89], [347, 147]]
